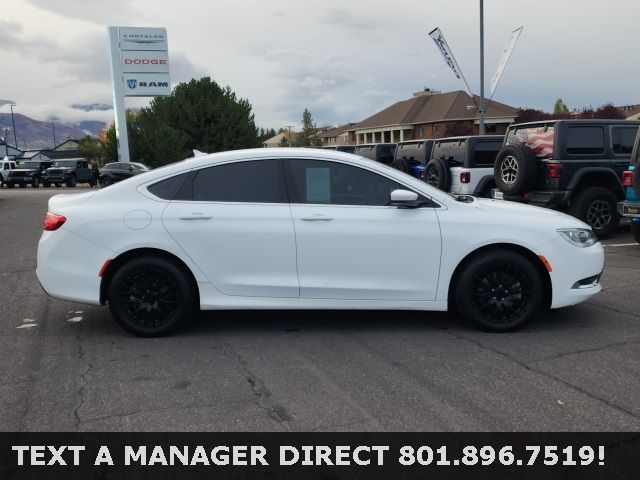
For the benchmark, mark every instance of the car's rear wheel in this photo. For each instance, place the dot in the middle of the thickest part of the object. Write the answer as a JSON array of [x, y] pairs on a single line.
[[46, 184], [635, 230], [106, 181], [499, 291], [10, 184], [597, 207], [401, 164], [150, 296]]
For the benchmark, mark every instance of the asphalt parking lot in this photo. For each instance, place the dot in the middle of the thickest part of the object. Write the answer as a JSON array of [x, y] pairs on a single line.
[[67, 367]]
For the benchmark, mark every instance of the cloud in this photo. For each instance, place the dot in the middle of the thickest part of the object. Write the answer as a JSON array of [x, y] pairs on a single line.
[[94, 11], [183, 69], [344, 19]]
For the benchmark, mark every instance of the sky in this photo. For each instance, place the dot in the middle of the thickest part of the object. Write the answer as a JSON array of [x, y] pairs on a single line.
[[343, 60]]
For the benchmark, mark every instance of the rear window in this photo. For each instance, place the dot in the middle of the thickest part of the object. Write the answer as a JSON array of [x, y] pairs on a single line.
[[623, 139], [486, 153], [539, 139], [452, 150], [585, 140]]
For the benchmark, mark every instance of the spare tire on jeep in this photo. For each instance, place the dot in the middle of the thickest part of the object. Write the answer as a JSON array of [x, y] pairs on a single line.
[[515, 170], [438, 174]]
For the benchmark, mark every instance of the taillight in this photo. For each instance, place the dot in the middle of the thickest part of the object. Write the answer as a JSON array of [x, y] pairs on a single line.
[[627, 178], [423, 174], [554, 170], [465, 177], [53, 222]]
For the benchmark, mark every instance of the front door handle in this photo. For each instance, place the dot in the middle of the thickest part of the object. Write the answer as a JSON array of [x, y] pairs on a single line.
[[317, 218], [196, 216]]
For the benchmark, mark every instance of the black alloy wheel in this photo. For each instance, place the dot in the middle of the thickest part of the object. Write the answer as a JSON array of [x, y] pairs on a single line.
[[433, 177], [150, 296], [597, 207], [499, 291]]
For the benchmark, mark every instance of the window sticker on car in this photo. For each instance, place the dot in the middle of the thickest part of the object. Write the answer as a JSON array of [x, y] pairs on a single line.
[[539, 139], [318, 185]]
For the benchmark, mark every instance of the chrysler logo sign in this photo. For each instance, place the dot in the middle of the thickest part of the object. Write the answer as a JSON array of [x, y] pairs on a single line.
[[142, 38]]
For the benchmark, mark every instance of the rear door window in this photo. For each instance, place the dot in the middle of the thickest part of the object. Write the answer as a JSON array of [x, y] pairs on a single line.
[[452, 150], [622, 139], [585, 140], [539, 139], [257, 181]]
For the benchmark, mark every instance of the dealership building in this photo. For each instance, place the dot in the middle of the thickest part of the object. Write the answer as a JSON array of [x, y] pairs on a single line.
[[427, 114]]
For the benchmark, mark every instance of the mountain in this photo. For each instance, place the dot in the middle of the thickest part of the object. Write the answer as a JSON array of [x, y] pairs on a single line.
[[90, 107], [35, 134], [5, 102]]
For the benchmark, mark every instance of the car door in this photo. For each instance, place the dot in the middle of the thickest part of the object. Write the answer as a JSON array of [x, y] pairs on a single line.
[[233, 220], [351, 244]]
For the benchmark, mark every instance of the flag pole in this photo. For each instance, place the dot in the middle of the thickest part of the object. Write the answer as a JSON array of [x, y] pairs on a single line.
[[481, 129]]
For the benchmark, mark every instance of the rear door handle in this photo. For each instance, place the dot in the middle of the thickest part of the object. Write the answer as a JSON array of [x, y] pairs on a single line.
[[317, 218], [196, 216]]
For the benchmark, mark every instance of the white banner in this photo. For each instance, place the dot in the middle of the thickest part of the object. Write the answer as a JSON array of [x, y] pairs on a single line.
[[144, 62], [441, 43], [505, 58], [146, 84], [133, 38]]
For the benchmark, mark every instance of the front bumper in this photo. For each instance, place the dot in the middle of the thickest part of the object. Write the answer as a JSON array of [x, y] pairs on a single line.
[[576, 271]]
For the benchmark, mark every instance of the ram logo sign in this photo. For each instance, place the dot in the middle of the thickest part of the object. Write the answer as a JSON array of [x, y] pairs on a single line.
[[146, 84]]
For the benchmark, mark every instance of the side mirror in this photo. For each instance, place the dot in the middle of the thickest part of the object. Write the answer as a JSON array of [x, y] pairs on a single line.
[[404, 199]]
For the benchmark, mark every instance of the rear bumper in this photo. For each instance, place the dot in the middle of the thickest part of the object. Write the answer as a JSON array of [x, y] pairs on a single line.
[[68, 266], [549, 199]]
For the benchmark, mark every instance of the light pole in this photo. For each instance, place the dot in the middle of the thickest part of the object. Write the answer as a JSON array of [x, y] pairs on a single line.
[[53, 127], [481, 126], [289, 126], [15, 140]]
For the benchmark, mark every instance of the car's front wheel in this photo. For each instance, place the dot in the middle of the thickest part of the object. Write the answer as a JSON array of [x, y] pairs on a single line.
[[150, 296], [635, 230], [499, 290]]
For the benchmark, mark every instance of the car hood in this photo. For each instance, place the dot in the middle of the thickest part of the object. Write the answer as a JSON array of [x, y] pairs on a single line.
[[22, 170], [527, 213], [59, 168]]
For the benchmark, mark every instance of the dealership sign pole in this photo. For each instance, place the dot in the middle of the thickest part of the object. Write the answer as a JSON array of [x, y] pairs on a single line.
[[139, 68]]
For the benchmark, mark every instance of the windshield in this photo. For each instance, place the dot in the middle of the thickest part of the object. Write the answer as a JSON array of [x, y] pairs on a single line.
[[64, 163], [635, 158], [30, 165]]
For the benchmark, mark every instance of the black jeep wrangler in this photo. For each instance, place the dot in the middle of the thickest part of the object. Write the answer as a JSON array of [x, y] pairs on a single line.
[[68, 171], [572, 165], [27, 172]]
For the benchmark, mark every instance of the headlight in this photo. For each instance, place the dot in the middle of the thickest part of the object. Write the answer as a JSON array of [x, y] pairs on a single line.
[[581, 237]]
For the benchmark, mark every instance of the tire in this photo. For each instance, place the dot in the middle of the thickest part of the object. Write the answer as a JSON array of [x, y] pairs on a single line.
[[10, 184], [106, 181], [635, 230], [515, 170], [46, 184], [71, 182], [35, 183], [22, 185], [597, 207], [132, 288], [499, 291], [438, 174], [57, 185], [401, 164]]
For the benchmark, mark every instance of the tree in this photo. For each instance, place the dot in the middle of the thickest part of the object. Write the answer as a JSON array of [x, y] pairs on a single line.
[[604, 111], [89, 148], [560, 107], [109, 145], [198, 115], [307, 136]]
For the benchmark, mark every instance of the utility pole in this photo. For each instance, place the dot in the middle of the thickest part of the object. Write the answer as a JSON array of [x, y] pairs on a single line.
[[53, 127], [13, 122], [289, 127], [481, 129]]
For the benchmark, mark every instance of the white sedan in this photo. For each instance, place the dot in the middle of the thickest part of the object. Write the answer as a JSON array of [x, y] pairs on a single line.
[[308, 229]]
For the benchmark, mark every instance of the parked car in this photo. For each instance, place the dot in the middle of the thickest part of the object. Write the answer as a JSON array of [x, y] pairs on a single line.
[[27, 172], [464, 165], [68, 171], [184, 236], [6, 166], [117, 171], [573, 165], [379, 152], [412, 156], [630, 207], [341, 148]]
